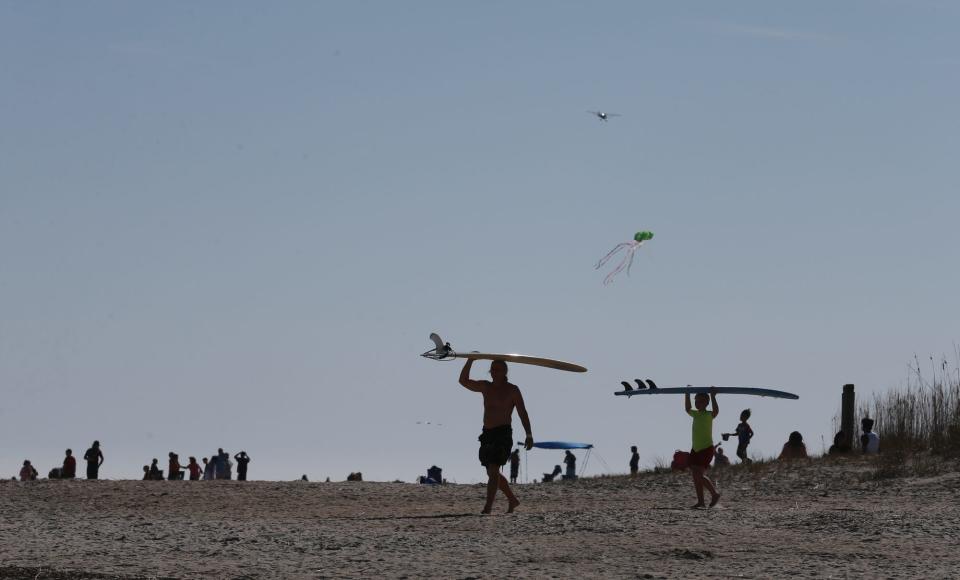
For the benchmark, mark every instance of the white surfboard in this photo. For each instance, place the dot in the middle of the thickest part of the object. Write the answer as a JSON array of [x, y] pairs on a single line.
[[444, 351], [756, 391]]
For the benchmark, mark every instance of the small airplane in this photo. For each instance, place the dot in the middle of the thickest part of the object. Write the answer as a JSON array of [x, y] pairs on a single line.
[[604, 116]]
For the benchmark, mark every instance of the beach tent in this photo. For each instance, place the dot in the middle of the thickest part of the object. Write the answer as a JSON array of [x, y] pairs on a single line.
[[565, 445]]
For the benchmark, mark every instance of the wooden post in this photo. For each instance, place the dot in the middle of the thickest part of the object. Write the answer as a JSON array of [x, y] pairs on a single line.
[[847, 404]]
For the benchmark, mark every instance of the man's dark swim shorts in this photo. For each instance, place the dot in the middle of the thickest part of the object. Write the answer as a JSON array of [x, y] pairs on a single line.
[[495, 445]]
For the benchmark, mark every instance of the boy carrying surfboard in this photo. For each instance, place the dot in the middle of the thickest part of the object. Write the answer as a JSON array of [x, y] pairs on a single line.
[[701, 454], [500, 398]]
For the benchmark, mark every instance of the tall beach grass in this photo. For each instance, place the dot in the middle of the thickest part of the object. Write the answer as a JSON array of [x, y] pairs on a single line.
[[923, 415]]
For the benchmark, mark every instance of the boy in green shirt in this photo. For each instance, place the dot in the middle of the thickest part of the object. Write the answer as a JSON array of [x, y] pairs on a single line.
[[701, 454]]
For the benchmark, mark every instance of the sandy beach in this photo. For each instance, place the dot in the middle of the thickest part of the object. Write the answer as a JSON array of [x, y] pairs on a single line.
[[825, 519]]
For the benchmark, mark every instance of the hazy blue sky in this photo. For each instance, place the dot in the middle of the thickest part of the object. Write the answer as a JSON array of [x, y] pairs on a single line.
[[235, 223]]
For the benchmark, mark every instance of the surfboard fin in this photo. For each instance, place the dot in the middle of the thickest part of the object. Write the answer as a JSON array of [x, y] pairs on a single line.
[[442, 349], [640, 384], [626, 385], [652, 384]]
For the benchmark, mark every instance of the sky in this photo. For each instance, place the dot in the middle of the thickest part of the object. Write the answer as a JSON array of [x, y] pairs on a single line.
[[235, 224]]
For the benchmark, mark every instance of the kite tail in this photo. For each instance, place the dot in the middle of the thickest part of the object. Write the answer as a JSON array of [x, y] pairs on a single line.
[[626, 262], [603, 261], [636, 246]]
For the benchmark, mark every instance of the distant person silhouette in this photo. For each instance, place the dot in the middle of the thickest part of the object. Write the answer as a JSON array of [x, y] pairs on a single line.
[[219, 464], [209, 470], [27, 472], [146, 473], [839, 446], [514, 465], [173, 467], [720, 458], [794, 448], [570, 460], [869, 441], [242, 460], [94, 459], [155, 471], [634, 460], [194, 468], [69, 469], [744, 434]]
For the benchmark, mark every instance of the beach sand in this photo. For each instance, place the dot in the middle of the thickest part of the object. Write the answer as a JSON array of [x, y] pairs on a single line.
[[825, 519]]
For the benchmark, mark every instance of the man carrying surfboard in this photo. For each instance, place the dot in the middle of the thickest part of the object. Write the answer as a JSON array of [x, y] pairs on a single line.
[[500, 398], [701, 454]]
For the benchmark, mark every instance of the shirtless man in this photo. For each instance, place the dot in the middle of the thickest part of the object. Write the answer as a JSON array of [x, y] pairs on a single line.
[[499, 399]]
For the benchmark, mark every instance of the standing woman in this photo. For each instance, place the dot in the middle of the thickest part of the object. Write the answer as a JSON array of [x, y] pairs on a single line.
[[94, 459]]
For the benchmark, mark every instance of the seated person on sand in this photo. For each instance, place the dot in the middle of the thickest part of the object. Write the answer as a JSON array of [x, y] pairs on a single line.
[[548, 477], [27, 472], [155, 471], [69, 469], [720, 458], [869, 441], [839, 446], [794, 448]]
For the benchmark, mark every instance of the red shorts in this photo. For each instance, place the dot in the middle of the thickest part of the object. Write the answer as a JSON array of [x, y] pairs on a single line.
[[702, 457]]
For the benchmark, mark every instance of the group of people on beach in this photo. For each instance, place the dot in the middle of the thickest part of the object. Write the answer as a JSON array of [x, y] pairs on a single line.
[[68, 470], [218, 466]]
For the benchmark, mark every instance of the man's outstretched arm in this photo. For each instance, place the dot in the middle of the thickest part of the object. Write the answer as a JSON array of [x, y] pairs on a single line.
[[525, 420], [466, 381], [713, 400]]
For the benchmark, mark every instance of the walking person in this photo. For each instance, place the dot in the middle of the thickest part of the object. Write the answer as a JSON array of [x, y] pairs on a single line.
[[701, 453], [500, 398], [744, 434]]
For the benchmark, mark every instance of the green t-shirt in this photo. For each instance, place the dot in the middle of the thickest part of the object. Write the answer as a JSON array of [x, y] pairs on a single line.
[[702, 429]]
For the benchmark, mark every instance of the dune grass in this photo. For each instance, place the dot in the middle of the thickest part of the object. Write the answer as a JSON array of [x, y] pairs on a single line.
[[918, 423]]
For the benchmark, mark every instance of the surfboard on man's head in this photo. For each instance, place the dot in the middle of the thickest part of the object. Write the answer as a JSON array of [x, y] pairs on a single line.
[[443, 351]]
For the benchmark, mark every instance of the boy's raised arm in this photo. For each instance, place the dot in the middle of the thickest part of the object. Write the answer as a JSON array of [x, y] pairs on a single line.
[[686, 402], [713, 400]]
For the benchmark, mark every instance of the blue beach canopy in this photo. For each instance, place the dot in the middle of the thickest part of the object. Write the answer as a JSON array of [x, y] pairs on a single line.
[[562, 445]]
